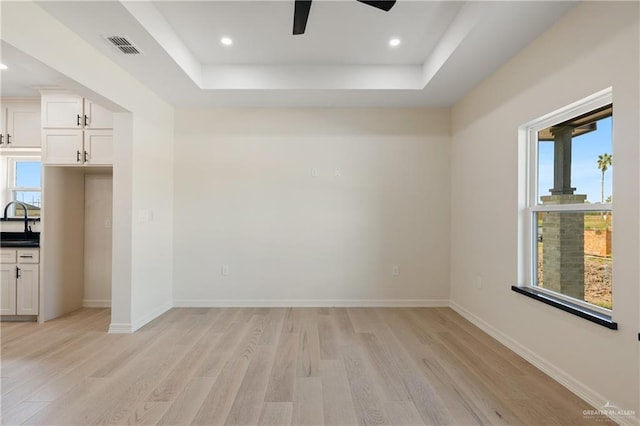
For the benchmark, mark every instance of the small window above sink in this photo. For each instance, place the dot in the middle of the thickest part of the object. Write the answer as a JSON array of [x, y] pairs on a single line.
[[24, 185]]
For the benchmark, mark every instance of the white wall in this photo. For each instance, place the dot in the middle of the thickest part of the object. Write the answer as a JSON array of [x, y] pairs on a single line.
[[245, 197], [143, 169], [121, 242], [62, 242], [595, 46], [98, 219], [152, 236]]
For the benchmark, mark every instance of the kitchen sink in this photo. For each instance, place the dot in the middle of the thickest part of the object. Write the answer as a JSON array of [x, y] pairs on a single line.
[[19, 239]]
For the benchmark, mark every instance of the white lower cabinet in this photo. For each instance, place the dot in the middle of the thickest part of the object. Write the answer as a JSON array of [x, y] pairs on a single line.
[[7, 289], [20, 281], [27, 290]]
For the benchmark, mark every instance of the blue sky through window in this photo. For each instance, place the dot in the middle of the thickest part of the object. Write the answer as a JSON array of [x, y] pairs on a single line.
[[586, 177], [28, 175]]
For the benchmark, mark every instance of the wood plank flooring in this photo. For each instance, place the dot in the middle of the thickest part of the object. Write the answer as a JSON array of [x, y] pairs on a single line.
[[298, 366]]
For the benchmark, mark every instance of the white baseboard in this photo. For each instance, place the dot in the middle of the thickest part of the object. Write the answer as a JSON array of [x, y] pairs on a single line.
[[96, 303], [115, 328], [580, 389], [132, 327], [137, 324], [309, 303], [271, 303]]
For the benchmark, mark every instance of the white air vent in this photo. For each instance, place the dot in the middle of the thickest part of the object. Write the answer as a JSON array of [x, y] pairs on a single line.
[[123, 45]]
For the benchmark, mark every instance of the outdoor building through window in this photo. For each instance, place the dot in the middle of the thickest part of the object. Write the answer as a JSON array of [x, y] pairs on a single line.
[[569, 207]]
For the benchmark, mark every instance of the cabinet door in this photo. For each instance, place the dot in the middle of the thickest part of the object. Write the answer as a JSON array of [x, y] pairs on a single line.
[[28, 256], [27, 289], [62, 112], [23, 128], [62, 146], [8, 255], [98, 145], [3, 131], [8, 289], [96, 116]]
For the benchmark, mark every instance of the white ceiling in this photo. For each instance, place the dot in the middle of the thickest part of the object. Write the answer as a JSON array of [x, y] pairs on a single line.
[[343, 59], [25, 75], [338, 32]]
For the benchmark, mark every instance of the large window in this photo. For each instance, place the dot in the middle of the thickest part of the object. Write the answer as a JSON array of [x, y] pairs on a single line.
[[568, 212], [24, 185]]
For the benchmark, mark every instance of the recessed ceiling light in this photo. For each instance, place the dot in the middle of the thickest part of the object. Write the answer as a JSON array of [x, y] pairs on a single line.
[[3, 67], [394, 42], [226, 41]]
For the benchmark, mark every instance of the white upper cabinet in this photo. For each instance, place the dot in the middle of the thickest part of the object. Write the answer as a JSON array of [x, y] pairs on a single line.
[[68, 111], [20, 124], [62, 146], [75, 131], [96, 116], [3, 122], [98, 147], [62, 112]]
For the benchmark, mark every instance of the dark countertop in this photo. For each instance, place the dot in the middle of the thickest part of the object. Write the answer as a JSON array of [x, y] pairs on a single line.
[[20, 239]]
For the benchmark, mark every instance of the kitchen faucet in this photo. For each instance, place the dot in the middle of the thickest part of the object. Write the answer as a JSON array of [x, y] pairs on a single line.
[[26, 213]]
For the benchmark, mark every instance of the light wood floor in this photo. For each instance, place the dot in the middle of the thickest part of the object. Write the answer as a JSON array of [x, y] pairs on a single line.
[[274, 366]]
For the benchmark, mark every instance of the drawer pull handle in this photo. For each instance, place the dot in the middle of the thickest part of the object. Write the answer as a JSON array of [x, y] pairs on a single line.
[[77, 119], [24, 256], [86, 120], [77, 156], [8, 138], [17, 272]]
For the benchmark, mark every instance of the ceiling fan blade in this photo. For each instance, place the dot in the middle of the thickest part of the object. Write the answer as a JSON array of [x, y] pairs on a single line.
[[300, 15], [382, 4]]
